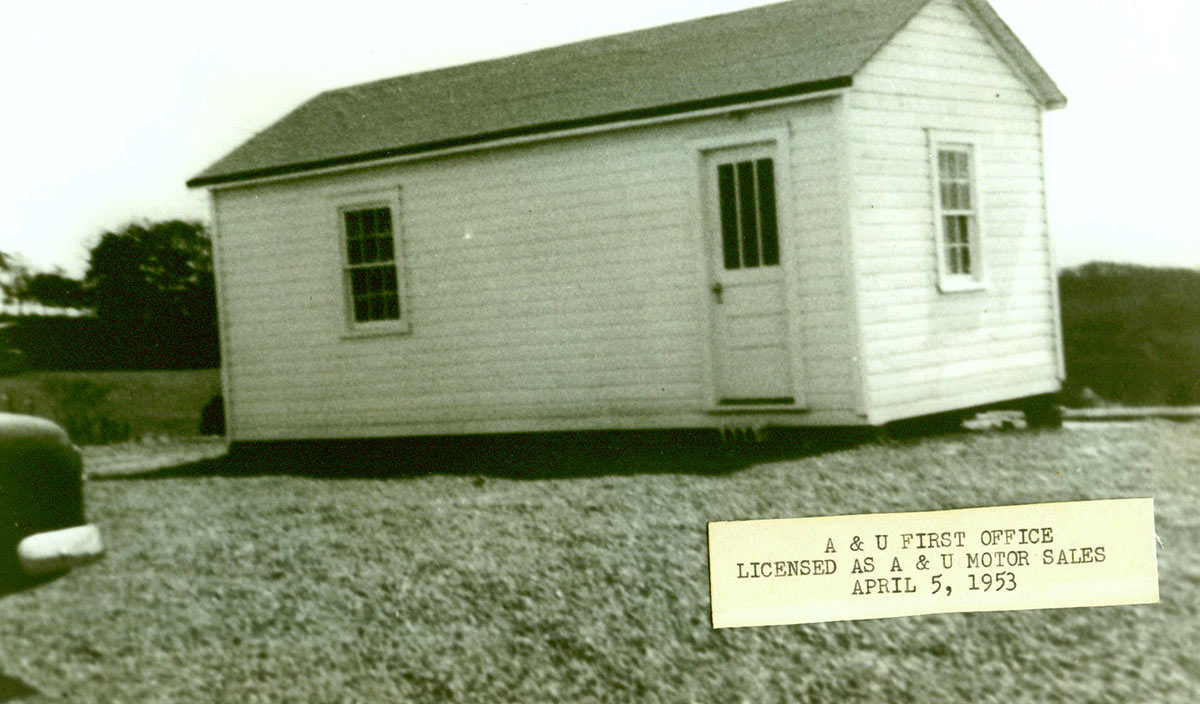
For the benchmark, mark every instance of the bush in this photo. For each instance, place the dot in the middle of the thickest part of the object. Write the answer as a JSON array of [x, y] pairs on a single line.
[[1132, 333], [212, 418], [80, 407], [12, 361], [61, 343]]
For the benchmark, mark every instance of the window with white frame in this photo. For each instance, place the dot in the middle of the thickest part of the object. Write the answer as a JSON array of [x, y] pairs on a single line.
[[956, 205], [371, 271]]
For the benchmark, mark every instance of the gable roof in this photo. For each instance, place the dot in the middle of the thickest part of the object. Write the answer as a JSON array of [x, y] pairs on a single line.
[[773, 51]]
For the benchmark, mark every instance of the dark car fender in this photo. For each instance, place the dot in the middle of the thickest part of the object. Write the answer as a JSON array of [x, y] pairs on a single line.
[[41, 487]]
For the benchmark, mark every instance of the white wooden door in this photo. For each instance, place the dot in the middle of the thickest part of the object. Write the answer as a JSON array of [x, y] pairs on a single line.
[[753, 365]]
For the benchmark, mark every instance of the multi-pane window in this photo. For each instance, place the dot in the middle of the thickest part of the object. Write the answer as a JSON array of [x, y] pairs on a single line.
[[749, 230], [371, 264], [957, 202]]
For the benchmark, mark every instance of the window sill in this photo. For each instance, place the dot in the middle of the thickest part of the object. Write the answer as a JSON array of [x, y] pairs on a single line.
[[365, 332], [962, 286]]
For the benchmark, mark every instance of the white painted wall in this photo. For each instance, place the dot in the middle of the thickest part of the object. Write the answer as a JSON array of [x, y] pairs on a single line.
[[927, 351], [560, 285]]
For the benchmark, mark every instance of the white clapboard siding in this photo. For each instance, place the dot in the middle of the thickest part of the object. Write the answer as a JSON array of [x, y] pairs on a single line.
[[1014, 252], [817, 253], [559, 285], [926, 351], [905, 345]]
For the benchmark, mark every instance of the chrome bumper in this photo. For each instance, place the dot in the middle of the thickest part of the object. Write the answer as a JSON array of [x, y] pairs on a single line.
[[58, 550]]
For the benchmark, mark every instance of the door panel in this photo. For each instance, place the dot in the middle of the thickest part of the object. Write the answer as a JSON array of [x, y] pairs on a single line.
[[751, 331], [750, 324]]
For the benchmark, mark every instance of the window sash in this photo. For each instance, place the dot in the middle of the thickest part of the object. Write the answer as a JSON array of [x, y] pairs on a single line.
[[374, 293], [957, 211], [369, 265]]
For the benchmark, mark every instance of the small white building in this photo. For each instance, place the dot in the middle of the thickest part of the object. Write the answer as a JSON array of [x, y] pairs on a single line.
[[819, 212]]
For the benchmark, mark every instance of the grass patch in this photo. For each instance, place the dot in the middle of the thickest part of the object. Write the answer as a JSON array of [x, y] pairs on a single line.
[[488, 587], [132, 404]]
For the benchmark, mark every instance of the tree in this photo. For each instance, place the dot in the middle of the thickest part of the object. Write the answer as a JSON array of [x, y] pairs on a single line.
[[56, 290], [4, 268], [4, 283], [14, 279], [152, 285]]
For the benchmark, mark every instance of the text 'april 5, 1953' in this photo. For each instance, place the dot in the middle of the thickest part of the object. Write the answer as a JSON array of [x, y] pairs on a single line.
[[804, 570]]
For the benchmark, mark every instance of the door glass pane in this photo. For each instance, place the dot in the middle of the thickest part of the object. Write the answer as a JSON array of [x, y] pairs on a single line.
[[748, 204], [766, 207], [729, 235]]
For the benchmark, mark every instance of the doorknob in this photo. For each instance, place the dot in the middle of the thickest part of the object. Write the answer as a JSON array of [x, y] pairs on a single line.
[[717, 290]]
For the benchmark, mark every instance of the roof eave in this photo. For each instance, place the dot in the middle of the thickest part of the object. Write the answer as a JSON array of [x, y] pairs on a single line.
[[682, 108]]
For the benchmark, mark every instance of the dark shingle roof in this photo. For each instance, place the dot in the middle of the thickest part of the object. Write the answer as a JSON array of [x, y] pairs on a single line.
[[771, 51]]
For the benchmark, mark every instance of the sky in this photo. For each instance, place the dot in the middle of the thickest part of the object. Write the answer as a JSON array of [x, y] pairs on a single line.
[[112, 106]]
